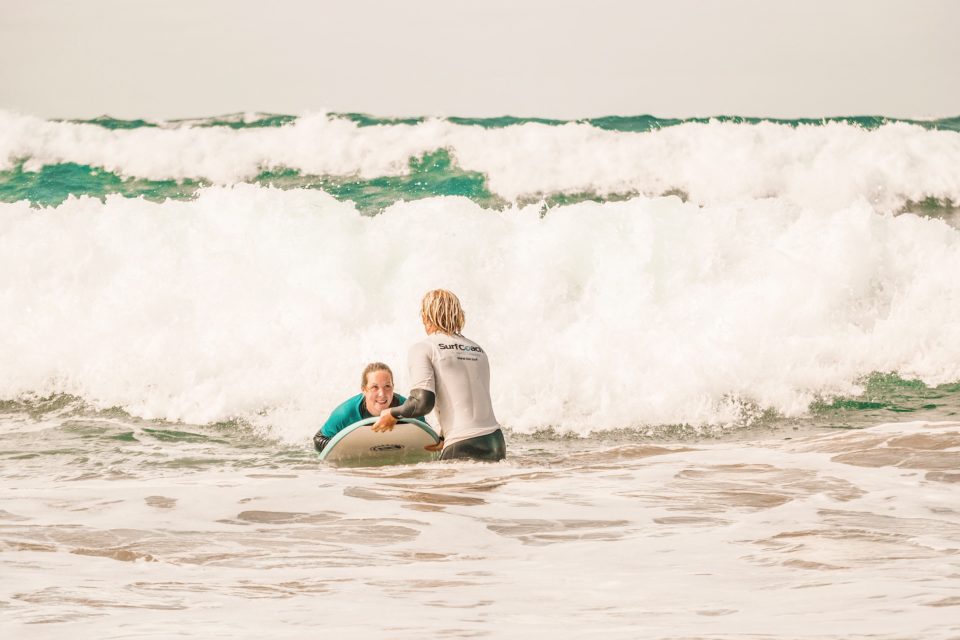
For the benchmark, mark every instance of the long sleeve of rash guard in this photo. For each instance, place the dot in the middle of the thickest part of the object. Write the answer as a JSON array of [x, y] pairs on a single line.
[[419, 403]]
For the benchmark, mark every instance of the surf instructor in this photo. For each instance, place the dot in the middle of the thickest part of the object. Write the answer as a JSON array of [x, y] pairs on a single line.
[[451, 373]]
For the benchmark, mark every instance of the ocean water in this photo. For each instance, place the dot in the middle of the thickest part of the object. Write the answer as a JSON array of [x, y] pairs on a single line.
[[725, 352]]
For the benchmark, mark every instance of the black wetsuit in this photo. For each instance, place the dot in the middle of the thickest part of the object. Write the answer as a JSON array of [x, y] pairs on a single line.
[[490, 447]]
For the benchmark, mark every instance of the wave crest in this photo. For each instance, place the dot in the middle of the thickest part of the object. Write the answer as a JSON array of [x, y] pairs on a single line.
[[713, 163], [264, 304]]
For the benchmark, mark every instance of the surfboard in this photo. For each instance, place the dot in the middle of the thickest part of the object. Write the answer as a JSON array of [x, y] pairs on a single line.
[[360, 446]]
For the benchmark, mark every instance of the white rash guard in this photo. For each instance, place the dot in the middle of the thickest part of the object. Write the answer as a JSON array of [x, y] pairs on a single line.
[[457, 371]]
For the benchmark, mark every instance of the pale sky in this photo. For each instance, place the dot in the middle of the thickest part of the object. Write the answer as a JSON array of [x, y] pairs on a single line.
[[548, 58]]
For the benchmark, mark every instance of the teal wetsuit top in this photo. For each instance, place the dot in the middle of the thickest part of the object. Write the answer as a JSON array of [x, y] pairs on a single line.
[[352, 410]]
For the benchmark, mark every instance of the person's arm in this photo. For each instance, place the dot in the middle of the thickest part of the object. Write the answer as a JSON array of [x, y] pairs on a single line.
[[339, 419], [320, 441], [422, 396], [334, 425], [418, 404]]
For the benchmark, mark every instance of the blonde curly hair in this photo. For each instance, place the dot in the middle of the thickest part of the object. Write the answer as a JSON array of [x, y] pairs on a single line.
[[441, 308]]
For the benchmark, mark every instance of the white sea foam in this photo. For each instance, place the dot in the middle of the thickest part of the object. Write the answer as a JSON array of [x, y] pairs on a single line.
[[265, 304], [834, 165]]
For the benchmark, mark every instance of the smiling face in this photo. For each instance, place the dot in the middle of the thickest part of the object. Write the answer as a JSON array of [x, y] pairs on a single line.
[[378, 391]]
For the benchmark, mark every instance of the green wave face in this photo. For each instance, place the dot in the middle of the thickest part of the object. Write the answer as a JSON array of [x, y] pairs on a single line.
[[886, 394], [639, 123], [431, 175], [53, 184], [436, 173]]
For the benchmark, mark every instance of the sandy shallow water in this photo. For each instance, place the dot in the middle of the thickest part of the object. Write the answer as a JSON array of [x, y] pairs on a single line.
[[114, 529]]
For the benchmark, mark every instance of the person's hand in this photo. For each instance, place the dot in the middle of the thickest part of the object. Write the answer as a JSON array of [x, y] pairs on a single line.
[[386, 422], [434, 447]]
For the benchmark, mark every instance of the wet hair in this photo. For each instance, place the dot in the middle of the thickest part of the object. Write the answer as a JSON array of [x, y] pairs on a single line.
[[370, 368], [442, 309]]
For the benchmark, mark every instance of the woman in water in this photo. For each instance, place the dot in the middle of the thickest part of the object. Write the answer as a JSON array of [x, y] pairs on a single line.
[[451, 373], [376, 394]]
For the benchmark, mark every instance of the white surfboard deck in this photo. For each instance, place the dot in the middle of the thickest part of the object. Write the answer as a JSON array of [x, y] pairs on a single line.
[[360, 446]]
